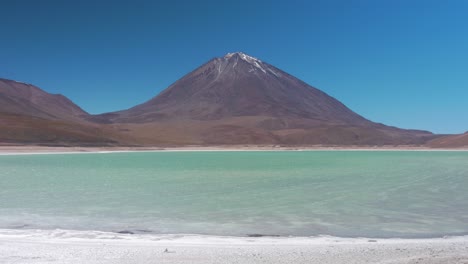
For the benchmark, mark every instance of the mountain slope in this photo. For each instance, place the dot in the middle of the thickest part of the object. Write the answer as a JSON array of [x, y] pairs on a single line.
[[239, 99], [33, 116], [452, 141], [29, 100]]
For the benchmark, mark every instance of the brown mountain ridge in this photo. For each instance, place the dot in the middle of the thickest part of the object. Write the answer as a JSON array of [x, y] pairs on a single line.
[[450, 141], [32, 116], [231, 100]]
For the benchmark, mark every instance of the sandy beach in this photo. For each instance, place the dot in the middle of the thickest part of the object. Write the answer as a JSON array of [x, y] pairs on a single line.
[[62, 247]]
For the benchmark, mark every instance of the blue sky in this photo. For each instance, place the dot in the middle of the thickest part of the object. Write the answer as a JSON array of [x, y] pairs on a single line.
[[399, 62]]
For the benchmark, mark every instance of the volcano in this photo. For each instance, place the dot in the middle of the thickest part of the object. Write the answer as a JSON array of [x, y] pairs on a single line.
[[239, 99], [239, 85]]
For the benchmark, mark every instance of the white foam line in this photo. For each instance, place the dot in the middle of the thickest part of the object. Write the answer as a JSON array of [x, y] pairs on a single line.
[[194, 239]]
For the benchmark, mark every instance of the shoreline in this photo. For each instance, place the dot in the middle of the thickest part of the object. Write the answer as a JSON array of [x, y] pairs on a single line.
[[60, 246], [144, 236], [32, 149]]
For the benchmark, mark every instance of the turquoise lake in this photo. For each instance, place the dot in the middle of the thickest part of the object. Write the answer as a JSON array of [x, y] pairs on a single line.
[[288, 193]]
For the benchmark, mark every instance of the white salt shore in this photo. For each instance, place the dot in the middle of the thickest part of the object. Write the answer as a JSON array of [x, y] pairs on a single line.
[[58, 246], [27, 150]]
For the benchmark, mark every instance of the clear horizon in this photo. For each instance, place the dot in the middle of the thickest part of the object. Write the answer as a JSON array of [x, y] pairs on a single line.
[[401, 63]]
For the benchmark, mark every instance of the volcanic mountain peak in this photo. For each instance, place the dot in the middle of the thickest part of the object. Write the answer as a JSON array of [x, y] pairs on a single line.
[[239, 99], [243, 56], [239, 85], [234, 99], [250, 64]]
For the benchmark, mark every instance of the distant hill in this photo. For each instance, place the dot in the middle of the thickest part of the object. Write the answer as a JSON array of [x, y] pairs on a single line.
[[29, 100], [452, 141], [32, 116], [239, 99]]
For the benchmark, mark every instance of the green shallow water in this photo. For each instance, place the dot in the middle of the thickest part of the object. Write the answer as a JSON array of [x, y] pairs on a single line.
[[300, 193]]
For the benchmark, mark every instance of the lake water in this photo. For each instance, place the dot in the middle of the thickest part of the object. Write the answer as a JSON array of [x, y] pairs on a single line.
[[297, 193]]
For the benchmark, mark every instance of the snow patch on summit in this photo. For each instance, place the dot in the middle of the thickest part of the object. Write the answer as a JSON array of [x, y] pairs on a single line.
[[252, 60], [21, 82]]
